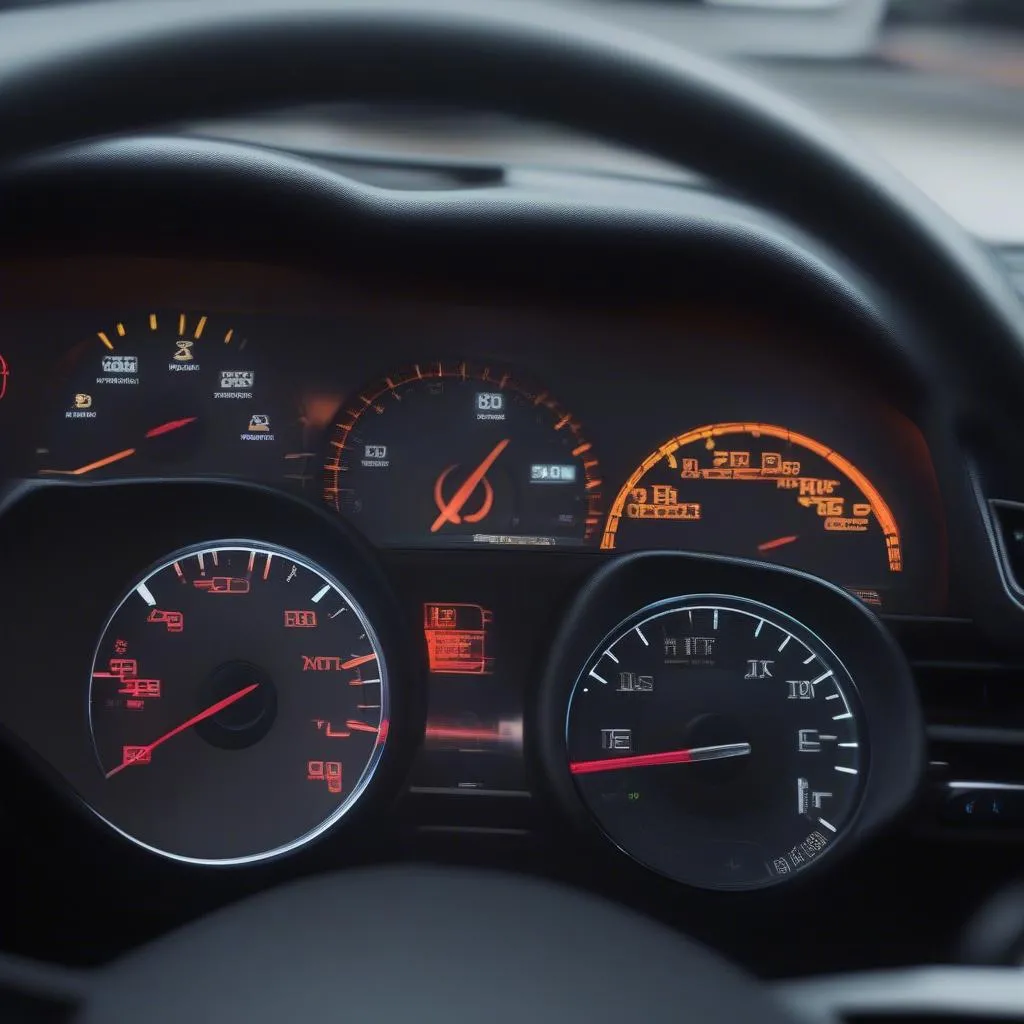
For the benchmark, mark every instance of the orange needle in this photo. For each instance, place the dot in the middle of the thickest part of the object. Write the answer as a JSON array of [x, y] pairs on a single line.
[[361, 660], [770, 545], [88, 468], [212, 710], [450, 512]]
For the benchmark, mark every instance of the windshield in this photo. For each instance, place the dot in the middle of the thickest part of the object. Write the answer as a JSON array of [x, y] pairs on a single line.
[[935, 87]]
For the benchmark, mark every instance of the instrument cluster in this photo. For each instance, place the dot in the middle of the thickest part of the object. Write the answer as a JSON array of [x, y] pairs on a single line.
[[330, 542], [439, 425]]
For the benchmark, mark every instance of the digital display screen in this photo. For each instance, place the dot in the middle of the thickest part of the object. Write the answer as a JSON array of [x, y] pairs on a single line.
[[485, 644], [543, 474]]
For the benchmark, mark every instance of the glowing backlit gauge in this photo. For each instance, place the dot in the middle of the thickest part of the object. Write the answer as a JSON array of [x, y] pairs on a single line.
[[761, 491], [165, 392], [719, 741], [453, 453], [238, 705]]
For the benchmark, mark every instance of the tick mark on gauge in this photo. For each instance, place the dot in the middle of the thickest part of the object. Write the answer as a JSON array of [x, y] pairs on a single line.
[[598, 678], [608, 654], [839, 718], [714, 619], [782, 646], [832, 696], [144, 592], [807, 661], [319, 595], [853, 745], [822, 677], [640, 633], [828, 825], [845, 771], [760, 626]]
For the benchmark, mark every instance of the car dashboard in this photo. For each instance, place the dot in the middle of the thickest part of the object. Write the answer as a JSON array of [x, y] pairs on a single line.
[[369, 480]]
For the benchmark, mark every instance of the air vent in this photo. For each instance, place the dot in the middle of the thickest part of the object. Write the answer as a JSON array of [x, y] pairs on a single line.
[[972, 697]]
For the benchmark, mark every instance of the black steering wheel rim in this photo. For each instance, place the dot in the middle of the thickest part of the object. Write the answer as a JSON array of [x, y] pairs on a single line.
[[88, 70], [113, 67]]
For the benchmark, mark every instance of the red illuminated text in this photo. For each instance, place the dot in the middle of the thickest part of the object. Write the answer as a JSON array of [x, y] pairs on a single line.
[[174, 621], [222, 585]]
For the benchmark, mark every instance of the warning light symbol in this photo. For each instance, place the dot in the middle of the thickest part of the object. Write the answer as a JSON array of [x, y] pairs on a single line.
[[222, 585], [325, 771], [456, 637], [174, 621]]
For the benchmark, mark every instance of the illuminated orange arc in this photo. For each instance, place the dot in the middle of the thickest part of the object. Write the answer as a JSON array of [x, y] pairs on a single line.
[[881, 510]]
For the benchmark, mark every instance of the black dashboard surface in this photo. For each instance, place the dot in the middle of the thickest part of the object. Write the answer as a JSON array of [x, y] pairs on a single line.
[[481, 442]]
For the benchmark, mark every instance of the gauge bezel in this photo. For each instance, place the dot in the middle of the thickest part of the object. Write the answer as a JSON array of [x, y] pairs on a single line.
[[339, 437], [891, 719], [775, 617], [128, 524], [369, 771]]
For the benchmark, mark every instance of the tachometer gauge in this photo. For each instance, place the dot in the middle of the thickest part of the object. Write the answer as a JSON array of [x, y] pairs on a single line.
[[761, 491], [238, 704], [718, 741], [453, 453], [166, 392]]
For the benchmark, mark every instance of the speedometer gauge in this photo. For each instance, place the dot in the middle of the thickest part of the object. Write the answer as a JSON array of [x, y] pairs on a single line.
[[238, 705], [761, 491], [718, 741], [456, 453]]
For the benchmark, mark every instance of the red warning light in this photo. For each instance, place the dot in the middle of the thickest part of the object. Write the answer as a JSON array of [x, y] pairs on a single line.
[[140, 687], [299, 620], [4, 374], [222, 585], [124, 668], [457, 638], [325, 771], [174, 621]]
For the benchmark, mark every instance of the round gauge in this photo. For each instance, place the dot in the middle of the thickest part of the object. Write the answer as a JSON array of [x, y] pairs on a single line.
[[165, 392], [238, 704], [717, 741], [462, 454], [766, 492]]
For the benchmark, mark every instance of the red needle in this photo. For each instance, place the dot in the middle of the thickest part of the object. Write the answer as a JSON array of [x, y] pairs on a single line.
[[194, 720], [166, 428], [779, 542], [609, 764], [450, 512]]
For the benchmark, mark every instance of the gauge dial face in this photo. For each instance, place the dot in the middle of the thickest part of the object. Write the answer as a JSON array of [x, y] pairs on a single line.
[[453, 453], [166, 392], [761, 491], [717, 741], [238, 705]]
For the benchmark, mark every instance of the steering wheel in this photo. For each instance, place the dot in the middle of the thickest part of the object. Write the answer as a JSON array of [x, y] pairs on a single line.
[[403, 943]]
